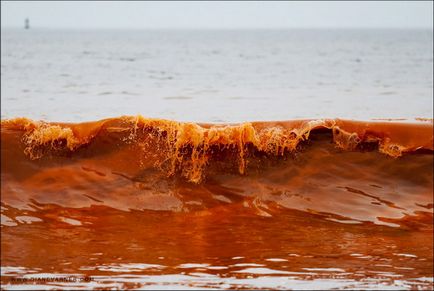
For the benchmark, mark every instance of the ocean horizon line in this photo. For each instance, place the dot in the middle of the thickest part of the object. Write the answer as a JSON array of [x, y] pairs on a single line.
[[218, 28]]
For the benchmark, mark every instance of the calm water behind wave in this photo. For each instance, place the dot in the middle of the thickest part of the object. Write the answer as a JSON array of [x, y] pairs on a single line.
[[216, 76]]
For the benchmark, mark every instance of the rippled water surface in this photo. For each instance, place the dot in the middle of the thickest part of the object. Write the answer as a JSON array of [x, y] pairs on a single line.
[[105, 214], [217, 76]]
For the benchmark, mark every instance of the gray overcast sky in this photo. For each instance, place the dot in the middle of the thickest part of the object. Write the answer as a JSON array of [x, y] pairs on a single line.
[[191, 14]]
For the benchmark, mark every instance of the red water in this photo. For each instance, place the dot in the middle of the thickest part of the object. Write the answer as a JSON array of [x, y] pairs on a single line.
[[139, 203]]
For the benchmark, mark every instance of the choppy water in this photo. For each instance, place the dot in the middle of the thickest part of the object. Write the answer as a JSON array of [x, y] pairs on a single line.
[[142, 203], [215, 76]]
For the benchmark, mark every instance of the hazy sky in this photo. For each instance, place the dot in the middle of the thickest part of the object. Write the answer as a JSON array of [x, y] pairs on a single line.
[[201, 14]]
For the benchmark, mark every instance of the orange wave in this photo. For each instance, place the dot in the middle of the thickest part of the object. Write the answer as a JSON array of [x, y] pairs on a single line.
[[188, 148]]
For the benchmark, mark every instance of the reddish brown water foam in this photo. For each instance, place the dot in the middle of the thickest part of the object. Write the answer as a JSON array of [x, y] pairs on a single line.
[[135, 202]]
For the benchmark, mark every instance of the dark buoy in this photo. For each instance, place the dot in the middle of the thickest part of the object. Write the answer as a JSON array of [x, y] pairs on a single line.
[[26, 24]]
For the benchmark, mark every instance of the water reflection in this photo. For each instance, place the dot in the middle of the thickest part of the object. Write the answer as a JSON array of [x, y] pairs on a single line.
[[264, 278], [229, 249]]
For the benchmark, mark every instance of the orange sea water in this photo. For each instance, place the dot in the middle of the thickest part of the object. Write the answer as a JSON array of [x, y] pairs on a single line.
[[132, 202]]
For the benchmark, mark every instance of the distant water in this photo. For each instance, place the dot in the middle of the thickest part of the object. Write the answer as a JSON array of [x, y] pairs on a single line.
[[216, 76]]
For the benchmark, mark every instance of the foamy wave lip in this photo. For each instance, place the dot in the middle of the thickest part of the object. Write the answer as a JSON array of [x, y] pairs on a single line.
[[189, 147]]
